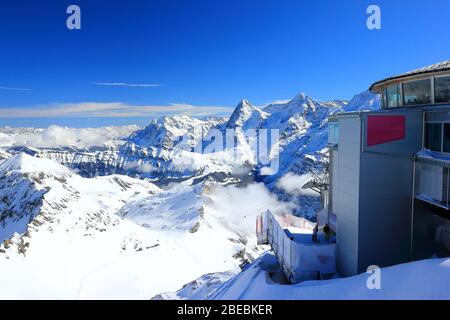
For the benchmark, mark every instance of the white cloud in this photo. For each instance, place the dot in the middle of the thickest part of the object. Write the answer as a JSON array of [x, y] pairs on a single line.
[[56, 136], [282, 101], [140, 166], [107, 110], [233, 203], [14, 89], [125, 84], [267, 171], [293, 183]]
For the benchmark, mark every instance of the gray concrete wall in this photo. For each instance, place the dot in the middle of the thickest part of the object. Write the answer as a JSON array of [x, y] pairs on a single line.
[[346, 197], [386, 194], [385, 211]]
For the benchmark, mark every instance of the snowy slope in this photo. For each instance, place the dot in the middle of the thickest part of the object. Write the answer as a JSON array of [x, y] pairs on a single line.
[[35, 190], [4, 155], [427, 279], [69, 237], [208, 217], [198, 289], [336, 103], [364, 101]]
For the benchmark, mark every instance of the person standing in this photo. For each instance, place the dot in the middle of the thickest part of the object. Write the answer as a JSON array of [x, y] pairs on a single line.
[[315, 231], [326, 231]]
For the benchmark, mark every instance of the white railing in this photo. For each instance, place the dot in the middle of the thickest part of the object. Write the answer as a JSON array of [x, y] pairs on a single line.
[[432, 182], [298, 257]]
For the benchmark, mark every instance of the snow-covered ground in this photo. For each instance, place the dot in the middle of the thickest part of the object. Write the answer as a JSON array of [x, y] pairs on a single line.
[[426, 279], [115, 236], [199, 288]]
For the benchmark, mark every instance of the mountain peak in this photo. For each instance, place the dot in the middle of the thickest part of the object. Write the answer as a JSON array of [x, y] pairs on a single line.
[[366, 100], [335, 103], [301, 96], [241, 114], [244, 103], [246, 115], [24, 163]]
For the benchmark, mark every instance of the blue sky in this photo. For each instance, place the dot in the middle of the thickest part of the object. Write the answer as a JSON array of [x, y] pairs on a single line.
[[201, 56]]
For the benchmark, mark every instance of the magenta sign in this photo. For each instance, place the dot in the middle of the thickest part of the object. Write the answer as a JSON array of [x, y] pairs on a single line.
[[383, 129]]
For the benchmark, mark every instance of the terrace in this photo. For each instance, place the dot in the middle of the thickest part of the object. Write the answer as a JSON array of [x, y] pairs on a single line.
[[290, 238]]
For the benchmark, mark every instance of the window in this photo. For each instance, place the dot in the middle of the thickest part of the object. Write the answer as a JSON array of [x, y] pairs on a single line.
[[442, 89], [336, 132], [333, 133], [383, 98], [417, 92], [393, 96], [433, 139], [446, 137]]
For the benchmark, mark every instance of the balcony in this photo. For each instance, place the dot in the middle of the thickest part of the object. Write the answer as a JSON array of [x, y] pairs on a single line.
[[433, 178], [290, 238]]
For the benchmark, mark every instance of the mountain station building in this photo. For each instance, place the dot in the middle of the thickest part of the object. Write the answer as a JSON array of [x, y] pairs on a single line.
[[389, 191]]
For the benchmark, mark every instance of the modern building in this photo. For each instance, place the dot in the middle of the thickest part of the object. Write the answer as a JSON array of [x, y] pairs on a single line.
[[389, 195]]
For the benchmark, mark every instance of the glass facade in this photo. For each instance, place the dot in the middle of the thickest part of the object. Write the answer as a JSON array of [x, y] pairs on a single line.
[[417, 92], [383, 99], [442, 89], [393, 97], [424, 92], [433, 139]]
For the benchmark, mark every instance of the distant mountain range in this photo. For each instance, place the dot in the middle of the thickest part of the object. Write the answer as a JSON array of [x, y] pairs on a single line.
[[125, 212], [147, 152]]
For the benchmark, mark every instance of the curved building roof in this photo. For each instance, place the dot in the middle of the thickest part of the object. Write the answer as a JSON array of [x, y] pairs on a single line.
[[437, 67]]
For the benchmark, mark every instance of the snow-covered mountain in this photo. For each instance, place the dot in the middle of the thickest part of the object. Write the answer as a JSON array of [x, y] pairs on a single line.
[[116, 236], [129, 212], [166, 132], [336, 103], [36, 192], [152, 152], [246, 116], [148, 152], [364, 101], [4, 155]]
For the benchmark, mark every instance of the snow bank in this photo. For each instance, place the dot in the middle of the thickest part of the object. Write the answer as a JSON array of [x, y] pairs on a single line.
[[426, 279], [199, 288]]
